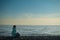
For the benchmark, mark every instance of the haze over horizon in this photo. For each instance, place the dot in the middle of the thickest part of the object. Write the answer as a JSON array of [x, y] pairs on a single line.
[[30, 12]]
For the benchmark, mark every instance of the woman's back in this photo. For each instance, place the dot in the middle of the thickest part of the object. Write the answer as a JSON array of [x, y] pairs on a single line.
[[14, 31]]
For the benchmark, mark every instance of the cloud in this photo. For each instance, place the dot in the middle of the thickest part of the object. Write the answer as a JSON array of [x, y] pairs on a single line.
[[53, 15], [28, 15], [41, 15], [32, 21], [48, 15]]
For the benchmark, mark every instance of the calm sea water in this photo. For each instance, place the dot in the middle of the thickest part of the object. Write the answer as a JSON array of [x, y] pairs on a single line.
[[28, 30]]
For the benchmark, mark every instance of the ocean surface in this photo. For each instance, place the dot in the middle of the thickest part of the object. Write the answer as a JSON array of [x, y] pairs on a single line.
[[30, 30]]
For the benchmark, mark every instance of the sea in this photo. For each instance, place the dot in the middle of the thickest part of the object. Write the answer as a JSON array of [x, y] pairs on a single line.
[[31, 30]]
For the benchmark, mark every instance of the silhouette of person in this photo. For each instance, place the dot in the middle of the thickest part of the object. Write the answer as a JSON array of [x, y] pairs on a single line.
[[14, 31]]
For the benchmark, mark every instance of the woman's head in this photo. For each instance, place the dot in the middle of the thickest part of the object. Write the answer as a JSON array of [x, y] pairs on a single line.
[[14, 26]]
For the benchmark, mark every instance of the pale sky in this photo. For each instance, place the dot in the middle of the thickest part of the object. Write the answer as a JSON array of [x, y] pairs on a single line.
[[30, 12]]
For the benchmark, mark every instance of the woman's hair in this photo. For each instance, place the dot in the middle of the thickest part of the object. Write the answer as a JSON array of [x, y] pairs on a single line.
[[14, 26]]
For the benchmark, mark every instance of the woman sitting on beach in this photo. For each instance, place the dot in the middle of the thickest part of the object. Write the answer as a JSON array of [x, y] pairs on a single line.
[[14, 34]]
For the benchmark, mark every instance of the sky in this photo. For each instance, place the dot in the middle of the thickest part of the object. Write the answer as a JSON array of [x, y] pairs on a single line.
[[30, 12]]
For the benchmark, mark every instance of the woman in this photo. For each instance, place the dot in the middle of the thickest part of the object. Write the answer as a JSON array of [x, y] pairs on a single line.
[[14, 31]]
